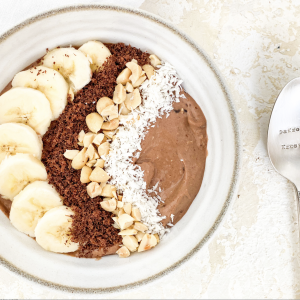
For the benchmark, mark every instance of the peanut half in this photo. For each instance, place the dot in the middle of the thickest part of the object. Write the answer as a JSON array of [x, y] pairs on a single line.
[[94, 189], [123, 252], [123, 110], [79, 160], [121, 212], [139, 236], [103, 103], [110, 112], [111, 125], [129, 87], [99, 175], [91, 163], [123, 78], [109, 133], [139, 81], [140, 227], [85, 174], [120, 204], [70, 154], [103, 149], [109, 205], [90, 152], [136, 214], [148, 242], [134, 101], [109, 191], [98, 139], [149, 70], [127, 208], [125, 221], [94, 122], [155, 61], [81, 136], [88, 139], [96, 156], [119, 94], [99, 163], [128, 232], [136, 71], [130, 242]]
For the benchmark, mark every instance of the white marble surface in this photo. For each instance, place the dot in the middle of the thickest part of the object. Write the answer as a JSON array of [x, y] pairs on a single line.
[[255, 253]]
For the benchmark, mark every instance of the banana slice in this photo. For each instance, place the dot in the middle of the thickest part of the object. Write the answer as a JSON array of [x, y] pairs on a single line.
[[72, 64], [53, 231], [30, 205], [17, 171], [97, 52], [19, 138], [49, 82], [27, 106]]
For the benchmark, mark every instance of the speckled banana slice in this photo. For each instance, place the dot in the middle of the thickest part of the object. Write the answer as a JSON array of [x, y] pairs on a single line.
[[53, 231], [19, 138], [72, 64], [48, 81], [31, 204], [27, 106], [97, 52], [17, 171]]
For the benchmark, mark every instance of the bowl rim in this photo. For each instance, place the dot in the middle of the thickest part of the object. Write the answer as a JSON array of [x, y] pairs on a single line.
[[237, 140]]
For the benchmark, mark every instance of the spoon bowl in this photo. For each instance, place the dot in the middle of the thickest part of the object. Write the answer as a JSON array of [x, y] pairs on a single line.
[[284, 133]]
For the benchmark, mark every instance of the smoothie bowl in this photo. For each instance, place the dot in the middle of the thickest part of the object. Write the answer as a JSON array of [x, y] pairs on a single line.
[[119, 148]]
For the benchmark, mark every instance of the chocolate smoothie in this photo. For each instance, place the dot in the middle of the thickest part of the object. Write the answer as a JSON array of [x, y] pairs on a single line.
[[173, 153]]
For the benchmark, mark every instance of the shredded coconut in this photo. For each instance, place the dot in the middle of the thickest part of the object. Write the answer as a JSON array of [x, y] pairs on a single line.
[[159, 93], [172, 217]]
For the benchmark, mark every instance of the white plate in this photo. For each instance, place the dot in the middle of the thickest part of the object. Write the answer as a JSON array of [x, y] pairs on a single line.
[[75, 25]]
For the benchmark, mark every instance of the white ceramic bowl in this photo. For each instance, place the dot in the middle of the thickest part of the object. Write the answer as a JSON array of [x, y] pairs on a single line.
[[75, 25]]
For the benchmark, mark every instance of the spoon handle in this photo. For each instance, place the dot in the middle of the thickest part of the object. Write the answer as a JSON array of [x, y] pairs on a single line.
[[298, 209]]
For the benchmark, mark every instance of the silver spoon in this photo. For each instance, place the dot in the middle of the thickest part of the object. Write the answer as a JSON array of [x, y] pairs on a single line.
[[284, 135]]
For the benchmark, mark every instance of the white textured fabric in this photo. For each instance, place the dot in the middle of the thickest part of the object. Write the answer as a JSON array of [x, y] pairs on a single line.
[[13, 12]]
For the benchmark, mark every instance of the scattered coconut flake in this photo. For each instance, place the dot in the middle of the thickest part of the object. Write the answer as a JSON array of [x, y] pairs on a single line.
[[155, 187], [172, 218], [153, 190], [159, 93]]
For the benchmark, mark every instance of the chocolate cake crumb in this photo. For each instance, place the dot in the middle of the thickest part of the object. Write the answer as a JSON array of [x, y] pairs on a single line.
[[92, 226]]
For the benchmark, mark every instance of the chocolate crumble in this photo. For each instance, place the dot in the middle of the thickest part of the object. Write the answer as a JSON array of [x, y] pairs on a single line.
[[92, 226]]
